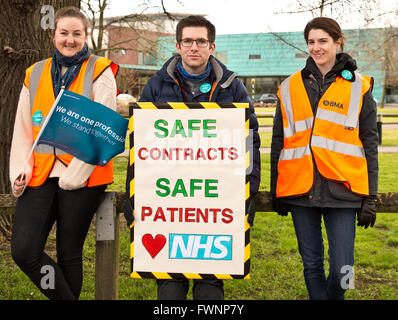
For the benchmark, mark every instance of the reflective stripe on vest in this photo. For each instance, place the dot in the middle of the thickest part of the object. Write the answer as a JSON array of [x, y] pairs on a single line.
[[295, 153], [351, 119], [38, 69], [38, 80], [332, 136], [337, 146]]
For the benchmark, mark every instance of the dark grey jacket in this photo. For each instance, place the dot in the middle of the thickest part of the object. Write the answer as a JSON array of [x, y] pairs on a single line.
[[326, 193]]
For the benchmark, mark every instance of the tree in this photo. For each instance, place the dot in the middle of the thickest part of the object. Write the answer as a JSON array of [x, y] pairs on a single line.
[[383, 50], [130, 38], [138, 22], [25, 37], [338, 9]]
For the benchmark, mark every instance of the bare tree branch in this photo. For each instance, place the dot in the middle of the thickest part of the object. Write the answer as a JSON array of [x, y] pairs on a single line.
[[170, 16], [287, 42], [137, 22]]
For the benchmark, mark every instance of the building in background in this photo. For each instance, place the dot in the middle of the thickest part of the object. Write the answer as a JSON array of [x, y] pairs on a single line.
[[264, 60], [261, 60]]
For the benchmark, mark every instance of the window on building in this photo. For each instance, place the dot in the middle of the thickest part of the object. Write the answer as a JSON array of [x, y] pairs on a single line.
[[146, 59], [120, 52], [261, 85], [254, 56], [392, 94]]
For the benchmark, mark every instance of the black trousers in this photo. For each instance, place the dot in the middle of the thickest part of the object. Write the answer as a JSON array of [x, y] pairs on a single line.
[[36, 211], [177, 289]]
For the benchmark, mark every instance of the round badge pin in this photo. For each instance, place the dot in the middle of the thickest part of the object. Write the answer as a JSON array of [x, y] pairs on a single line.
[[205, 87], [346, 74], [37, 117]]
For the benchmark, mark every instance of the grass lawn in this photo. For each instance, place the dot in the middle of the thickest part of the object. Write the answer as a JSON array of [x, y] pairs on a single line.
[[389, 137]]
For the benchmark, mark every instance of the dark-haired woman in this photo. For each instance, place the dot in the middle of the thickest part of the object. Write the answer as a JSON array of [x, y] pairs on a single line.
[[324, 158], [56, 186]]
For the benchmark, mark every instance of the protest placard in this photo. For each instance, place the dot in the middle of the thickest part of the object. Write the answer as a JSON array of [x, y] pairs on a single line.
[[189, 187], [84, 128]]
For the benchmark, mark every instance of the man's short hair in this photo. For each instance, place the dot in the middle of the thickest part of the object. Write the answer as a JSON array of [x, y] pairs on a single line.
[[196, 21]]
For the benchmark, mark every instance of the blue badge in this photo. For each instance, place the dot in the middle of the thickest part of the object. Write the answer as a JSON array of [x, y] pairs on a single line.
[[346, 74], [205, 87], [37, 117]]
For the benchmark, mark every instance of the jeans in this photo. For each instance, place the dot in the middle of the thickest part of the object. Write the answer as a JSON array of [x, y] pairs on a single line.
[[36, 211], [340, 228], [202, 289]]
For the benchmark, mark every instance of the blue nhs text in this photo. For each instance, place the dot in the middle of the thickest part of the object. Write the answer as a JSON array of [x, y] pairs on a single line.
[[200, 246]]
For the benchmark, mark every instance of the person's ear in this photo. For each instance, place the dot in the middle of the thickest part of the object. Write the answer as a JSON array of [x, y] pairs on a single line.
[[212, 47]]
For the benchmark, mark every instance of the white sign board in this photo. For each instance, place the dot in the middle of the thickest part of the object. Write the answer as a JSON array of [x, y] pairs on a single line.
[[189, 190]]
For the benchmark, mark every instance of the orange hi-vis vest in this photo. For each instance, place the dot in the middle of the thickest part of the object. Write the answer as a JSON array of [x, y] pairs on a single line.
[[330, 139], [39, 82]]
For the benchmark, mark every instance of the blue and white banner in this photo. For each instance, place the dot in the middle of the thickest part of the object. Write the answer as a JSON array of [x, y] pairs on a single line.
[[85, 129]]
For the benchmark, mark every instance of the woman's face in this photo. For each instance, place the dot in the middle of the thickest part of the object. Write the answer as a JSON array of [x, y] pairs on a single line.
[[69, 37], [322, 48]]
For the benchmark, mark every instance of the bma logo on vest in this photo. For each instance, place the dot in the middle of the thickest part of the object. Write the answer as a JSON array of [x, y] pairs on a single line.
[[328, 103], [200, 246]]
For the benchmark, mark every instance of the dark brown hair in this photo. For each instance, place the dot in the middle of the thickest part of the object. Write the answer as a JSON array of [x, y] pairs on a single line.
[[196, 21], [71, 12], [328, 25]]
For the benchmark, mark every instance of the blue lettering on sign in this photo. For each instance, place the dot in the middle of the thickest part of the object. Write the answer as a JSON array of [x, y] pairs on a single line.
[[200, 246]]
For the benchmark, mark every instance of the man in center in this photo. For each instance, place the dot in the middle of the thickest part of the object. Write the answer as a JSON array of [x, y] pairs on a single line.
[[195, 75]]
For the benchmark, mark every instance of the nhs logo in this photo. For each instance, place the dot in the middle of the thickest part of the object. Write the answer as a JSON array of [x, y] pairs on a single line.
[[200, 246]]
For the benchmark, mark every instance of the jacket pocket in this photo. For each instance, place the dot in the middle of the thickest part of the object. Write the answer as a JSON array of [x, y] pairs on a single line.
[[341, 192]]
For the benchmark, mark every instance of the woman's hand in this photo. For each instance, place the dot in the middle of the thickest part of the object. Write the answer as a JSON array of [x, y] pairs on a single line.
[[19, 185]]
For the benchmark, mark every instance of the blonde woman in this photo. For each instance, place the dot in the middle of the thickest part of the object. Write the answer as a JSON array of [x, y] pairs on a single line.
[[57, 187]]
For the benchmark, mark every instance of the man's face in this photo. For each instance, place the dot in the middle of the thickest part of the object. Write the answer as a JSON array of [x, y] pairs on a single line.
[[195, 58]]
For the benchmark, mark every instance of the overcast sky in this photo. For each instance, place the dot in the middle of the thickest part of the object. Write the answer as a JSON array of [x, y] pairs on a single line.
[[245, 16]]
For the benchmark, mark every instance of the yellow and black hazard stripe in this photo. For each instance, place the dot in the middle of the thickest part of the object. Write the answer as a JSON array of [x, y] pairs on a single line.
[[182, 105]]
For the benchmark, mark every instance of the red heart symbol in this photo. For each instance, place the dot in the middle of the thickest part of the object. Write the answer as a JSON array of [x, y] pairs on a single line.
[[153, 246]]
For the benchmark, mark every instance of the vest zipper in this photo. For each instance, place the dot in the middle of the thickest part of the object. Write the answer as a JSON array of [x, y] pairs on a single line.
[[320, 95], [315, 169]]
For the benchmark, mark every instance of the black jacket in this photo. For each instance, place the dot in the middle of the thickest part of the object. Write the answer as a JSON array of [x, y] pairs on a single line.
[[325, 193], [162, 87]]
